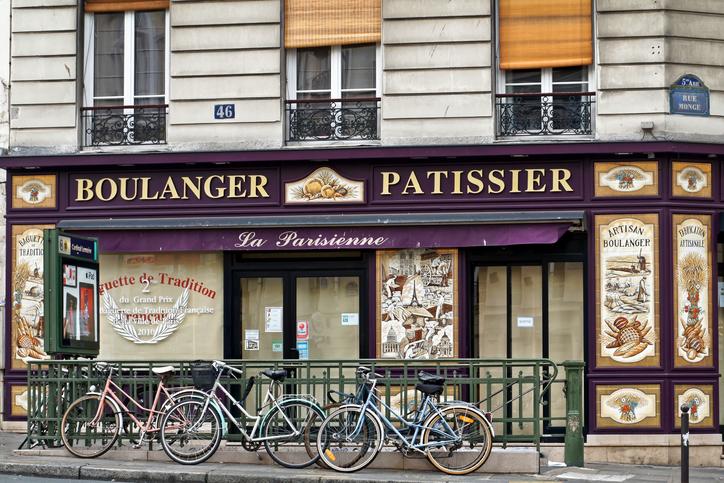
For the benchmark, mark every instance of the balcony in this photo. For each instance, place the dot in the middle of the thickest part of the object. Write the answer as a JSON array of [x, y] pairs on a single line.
[[545, 114], [332, 119], [124, 125]]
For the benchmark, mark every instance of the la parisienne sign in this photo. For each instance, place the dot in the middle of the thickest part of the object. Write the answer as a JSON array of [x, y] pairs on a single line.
[[461, 182]]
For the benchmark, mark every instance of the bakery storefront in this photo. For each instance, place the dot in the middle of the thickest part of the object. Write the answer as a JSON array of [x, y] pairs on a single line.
[[415, 253]]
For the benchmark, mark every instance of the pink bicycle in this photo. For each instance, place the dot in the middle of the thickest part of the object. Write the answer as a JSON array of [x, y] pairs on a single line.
[[92, 423]]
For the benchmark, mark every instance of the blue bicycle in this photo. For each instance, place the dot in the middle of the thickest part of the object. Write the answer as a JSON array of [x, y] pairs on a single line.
[[456, 437]]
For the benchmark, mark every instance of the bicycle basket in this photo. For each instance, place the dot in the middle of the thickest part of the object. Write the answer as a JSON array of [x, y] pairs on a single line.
[[204, 375]]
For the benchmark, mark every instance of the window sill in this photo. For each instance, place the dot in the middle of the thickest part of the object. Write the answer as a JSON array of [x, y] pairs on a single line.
[[332, 144], [127, 148]]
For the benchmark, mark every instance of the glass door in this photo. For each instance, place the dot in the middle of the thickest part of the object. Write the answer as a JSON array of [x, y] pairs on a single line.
[[327, 317], [529, 311], [262, 316], [298, 314]]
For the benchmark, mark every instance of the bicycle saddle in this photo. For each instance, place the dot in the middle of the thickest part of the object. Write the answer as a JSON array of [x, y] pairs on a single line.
[[429, 389], [275, 375], [426, 378], [160, 371]]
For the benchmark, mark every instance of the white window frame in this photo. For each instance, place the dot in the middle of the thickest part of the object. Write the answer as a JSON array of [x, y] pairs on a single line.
[[546, 84], [335, 67], [129, 39]]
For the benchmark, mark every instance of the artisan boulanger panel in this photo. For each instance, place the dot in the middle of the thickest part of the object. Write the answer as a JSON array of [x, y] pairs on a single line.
[[417, 304], [691, 179], [627, 290], [634, 406], [27, 312], [693, 336], [626, 178], [699, 398]]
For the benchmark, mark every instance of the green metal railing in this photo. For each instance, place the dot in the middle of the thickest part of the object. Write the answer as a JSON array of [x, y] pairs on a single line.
[[528, 398]]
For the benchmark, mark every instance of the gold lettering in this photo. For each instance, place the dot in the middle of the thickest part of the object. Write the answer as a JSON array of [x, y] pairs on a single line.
[[207, 187], [189, 185], [413, 183], [534, 182], [560, 178], [496, 177], [258, 181], [83, 189], [113, 189], [144, 190], [123, 191], [457, 184], [477, 181], [171, 189], [515, 174], [236, 186], [389, 178], [436, 183]]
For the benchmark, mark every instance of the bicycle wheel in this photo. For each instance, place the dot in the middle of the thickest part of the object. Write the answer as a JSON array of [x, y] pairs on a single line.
[[460, 439], [190, 434], [288, 449], [310, 435], [345, 448], [87, 432]]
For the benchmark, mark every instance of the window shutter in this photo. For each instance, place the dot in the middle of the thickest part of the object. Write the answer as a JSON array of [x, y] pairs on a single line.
[[537, 34], [100, 6], [317, 23]]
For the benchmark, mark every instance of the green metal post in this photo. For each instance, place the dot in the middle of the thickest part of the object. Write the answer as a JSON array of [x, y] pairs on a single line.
[[574, 414]]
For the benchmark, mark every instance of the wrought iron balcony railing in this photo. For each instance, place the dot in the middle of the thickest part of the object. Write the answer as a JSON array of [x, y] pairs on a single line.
[[545, 114], [333, 119], [124, 125]]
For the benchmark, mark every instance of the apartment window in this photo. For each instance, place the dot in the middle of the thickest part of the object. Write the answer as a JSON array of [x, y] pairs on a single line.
[[332, 70], [544, 57], [126, 78]]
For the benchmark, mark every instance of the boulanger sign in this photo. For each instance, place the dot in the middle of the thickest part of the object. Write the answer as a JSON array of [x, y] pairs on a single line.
[[384, 184]]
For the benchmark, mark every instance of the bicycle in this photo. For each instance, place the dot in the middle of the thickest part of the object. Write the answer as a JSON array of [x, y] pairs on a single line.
[[279, 423], [455, 437], [92, 423]]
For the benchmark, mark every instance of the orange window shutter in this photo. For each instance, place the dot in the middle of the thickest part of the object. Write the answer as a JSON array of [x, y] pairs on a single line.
[[317, 23], [537, 34], [101, 6]]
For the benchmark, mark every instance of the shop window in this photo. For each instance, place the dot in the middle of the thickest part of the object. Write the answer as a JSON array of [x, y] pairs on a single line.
[[332, 70], [126, 66], [545, 54]]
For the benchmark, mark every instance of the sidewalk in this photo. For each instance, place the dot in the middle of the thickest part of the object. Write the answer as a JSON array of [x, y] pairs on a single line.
[[146, 471]]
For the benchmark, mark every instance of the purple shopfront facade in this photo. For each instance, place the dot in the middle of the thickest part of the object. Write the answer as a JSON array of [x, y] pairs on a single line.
[[631, 216]]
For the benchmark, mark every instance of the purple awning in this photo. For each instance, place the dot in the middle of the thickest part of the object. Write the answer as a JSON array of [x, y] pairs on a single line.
[[329, 238]]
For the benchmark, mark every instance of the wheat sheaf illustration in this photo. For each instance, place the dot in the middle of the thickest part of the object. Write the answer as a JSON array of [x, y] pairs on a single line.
[[692, 270], [168, 325]]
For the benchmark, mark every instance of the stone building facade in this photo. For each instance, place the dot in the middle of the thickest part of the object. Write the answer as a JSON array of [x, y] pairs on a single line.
[[426, 182]]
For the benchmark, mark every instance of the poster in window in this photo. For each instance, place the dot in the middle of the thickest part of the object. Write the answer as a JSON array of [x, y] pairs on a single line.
[[158, 306], [69, 275], [417, 304], [692, 291], [627, 291], [27, 311]]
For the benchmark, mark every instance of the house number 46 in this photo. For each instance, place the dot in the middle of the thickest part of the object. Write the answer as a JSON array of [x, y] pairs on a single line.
[[224, 111]]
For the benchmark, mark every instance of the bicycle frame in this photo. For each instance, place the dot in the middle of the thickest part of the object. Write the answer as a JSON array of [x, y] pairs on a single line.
[[269, 400], [109, 391], [426, 410]]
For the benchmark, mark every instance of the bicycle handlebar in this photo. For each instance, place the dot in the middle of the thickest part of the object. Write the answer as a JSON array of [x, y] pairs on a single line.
[[219, 365]]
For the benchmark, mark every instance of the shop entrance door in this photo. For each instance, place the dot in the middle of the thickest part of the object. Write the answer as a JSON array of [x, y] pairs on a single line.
[[305, 313], [529, 306]]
